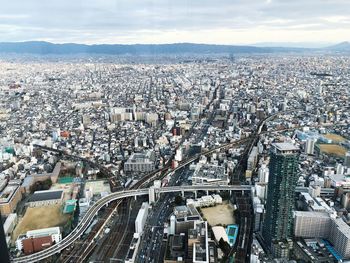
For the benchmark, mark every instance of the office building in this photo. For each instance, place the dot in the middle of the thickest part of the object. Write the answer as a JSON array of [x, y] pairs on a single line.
[[263, 174], [310, 146], [139, 162], [347, 160], [326, 226], [309, 224], [278, 224], [339, 236]]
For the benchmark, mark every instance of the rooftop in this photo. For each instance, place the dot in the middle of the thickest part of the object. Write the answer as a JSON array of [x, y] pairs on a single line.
[[46, 195], [285, 146]]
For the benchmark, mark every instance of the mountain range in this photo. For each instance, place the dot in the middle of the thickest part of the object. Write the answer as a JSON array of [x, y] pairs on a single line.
[[43, 48]]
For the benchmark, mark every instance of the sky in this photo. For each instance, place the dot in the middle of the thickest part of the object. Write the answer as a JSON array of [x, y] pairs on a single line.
[[316, 22]]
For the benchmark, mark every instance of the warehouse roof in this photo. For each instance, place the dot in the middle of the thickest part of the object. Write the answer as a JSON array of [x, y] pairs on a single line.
[[46, 195]]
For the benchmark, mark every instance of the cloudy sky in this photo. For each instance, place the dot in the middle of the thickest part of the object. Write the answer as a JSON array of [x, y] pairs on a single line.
[[170, 21]]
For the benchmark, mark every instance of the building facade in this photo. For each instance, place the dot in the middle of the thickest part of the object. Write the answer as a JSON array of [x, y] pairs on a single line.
[[309, 224]]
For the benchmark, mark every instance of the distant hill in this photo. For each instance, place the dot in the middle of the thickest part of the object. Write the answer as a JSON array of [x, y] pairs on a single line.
[[40, 47], [344, 46]]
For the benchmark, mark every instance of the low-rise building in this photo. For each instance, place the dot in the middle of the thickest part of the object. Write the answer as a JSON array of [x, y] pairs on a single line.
[[140, 162], [209, 174], [10, 196], [46, 197], [38, 239]]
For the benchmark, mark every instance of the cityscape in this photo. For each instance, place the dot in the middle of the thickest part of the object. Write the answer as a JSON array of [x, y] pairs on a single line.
[[173, 151]]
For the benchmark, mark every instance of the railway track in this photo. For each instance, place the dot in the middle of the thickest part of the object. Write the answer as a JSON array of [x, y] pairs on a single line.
[[108, 249], [78, 250]]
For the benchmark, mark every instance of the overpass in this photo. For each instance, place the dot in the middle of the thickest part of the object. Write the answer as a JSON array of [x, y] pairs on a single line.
[[82, 226]]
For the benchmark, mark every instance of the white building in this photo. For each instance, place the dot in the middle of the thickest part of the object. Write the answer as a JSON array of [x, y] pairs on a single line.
[[263, 174], [141, 218], [172, 225], [206, 200], [323, 225], [310, 146], [9, 225]]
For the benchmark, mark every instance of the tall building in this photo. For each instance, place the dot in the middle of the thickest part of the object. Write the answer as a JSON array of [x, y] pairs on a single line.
[[347, 160], [278, 224], [310, 146]]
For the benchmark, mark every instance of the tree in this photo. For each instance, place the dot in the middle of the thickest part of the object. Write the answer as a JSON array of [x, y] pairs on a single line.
[[41, 185]]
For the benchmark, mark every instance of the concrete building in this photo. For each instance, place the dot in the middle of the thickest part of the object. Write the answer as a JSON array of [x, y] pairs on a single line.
[[141, 218], [323, 225], [186, 216], [139, 162], [39, 177], [263, 174], [309, 224], [209, 174], [310, 146], [36, 244], [219, 232], [10, 196], [9, 225], [339, 236], [175, 249], [204, 201], [189, 246], [198, 249], [347, 159]]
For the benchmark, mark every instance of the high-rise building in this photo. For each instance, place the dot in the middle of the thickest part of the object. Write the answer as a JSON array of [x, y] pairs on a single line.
[[278, 224], [263, 174], [347, 160], [310, 146]]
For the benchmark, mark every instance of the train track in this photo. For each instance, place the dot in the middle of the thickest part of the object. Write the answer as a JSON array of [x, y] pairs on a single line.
[[79, 249], [108, 249]]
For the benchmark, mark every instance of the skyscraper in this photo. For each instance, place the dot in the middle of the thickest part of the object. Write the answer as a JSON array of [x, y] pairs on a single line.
[[278, 224]]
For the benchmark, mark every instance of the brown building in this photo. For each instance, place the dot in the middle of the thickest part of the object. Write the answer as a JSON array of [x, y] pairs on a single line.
[[9, 198], [32, 245]]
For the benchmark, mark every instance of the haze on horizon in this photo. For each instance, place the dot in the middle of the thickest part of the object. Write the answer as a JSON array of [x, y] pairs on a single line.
[[312, 22]]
